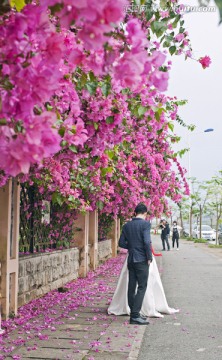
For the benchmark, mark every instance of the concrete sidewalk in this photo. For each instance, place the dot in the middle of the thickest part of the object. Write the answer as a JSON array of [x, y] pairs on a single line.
[[74, 325]]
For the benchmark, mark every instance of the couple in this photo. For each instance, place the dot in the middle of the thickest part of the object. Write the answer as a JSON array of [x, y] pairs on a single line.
[[135, 295]]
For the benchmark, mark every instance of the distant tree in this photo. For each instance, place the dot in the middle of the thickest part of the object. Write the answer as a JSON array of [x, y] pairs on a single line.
[[215, 199], [200, 193]]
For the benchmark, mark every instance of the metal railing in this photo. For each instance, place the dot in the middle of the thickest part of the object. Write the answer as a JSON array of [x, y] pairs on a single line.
[[43, 225]]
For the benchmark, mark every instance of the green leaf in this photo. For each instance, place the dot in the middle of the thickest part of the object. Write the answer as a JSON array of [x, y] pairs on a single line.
[[158, 28], [57, 198], [18, 4], [96, 125], [56, 8], [92, 76], [83, 80], [3, 121], [110, 119], [106, 87], [72, 199], [158, 113], [166, 44], [48, 107], [110, 154], [73, 148], [106, 170], [91, 87], [141, 110], [171, 126], [61, 131], [163, 4], [99, 205], [115, 111], [175, 22], [172, 50]]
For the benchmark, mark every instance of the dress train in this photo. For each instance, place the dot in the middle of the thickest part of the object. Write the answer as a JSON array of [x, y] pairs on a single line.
[[154, 302]]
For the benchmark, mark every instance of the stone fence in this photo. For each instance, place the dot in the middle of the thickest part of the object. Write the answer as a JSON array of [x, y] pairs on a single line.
[[41, 273], [25, 278]]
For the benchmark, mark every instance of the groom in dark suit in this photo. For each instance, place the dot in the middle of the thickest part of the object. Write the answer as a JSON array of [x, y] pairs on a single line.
[[135, 237]]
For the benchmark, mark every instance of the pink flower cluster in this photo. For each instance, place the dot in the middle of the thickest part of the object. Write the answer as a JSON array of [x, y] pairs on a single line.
[[205, 61], [93, 19], [82, 105]]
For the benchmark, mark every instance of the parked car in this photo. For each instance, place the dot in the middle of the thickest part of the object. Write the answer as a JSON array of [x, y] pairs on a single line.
[[207, 232]]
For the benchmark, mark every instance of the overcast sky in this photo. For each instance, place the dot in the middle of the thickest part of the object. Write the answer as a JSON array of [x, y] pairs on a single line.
[[203, 90]]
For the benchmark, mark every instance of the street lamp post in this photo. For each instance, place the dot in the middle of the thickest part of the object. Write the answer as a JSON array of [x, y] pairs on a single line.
[[189, 177]]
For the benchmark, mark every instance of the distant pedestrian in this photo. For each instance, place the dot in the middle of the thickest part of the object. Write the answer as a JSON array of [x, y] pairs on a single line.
[[175, 234], [165, 234]]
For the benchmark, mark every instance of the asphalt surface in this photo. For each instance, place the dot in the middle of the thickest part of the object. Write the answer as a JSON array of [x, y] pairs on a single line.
[[192, 279]]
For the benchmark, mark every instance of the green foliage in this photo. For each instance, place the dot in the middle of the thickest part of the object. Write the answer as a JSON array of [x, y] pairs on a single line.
[[18, 4], [200, 241], [171, 126], [189, 238], [181, 153], [106, 88], [158, 27], [106, 170], [3, 122], [141, 110], [110, 119], [91, 86], [100, 205], [105, 223], [172, 49], [57, 198]]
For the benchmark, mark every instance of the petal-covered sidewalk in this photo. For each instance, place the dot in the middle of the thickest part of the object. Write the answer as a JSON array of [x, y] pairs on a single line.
[[74, 324]]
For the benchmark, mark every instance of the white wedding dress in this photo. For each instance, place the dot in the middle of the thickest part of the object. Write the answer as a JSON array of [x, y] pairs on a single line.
[[154, 302]]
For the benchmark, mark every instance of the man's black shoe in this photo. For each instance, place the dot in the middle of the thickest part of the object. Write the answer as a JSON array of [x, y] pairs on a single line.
[[139, 321], [163, 249], [143, 317]]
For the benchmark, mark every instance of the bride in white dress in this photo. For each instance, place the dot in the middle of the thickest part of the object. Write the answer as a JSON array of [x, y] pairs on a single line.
[[154, 302]]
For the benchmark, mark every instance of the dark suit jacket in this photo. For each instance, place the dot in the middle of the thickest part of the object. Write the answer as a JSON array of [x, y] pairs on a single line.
[[166, 231], [135, 237]]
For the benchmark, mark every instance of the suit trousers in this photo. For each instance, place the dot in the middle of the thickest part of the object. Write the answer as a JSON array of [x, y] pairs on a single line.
[[138, 275]]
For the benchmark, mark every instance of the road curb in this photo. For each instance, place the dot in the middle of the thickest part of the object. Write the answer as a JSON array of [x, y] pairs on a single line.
[[133, 355]]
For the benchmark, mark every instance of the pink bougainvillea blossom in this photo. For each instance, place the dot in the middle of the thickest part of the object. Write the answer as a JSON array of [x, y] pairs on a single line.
[[205, 61]]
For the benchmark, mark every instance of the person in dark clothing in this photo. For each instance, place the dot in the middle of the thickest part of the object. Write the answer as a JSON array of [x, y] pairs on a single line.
[[175, 234], [165, 234], [135, 237]]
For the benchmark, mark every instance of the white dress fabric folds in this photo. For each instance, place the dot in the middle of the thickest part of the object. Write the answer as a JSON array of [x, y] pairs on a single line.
[[154, 303]]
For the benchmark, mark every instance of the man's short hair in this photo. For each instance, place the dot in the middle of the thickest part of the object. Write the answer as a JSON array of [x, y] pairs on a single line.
[[140, 209]]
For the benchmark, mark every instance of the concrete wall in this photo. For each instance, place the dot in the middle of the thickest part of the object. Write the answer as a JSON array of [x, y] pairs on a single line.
[[104, 250], [40, 273]]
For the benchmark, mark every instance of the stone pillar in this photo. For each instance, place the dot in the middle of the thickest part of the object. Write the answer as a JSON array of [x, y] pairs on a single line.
[[9, 238], [118, 229], [81, 236], [113, 237], [93, 239]]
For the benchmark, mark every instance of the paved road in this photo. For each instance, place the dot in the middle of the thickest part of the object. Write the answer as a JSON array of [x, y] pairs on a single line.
[[192, 278]]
